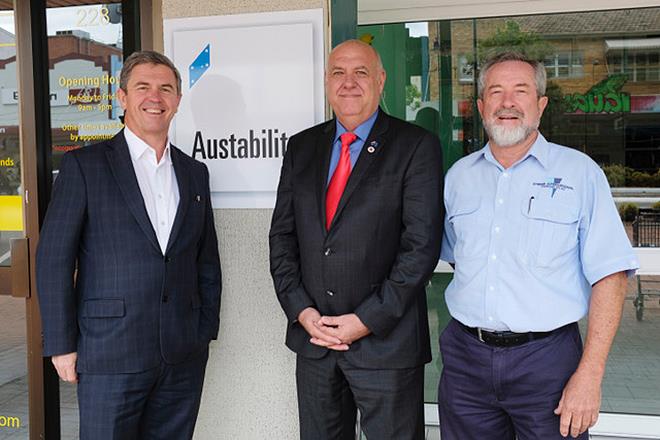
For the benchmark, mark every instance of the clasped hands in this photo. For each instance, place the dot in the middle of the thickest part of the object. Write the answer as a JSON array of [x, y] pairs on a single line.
[[332, 332]]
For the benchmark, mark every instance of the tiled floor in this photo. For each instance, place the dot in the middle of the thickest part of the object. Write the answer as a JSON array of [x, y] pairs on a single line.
[[632, 381], [13, 383], [13, 380]]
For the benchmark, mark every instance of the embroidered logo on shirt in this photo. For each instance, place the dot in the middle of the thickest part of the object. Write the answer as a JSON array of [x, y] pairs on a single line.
[[555, 184]]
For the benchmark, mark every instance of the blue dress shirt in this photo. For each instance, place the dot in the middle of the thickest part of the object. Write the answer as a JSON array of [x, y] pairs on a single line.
[[362, 132], [528, 242]]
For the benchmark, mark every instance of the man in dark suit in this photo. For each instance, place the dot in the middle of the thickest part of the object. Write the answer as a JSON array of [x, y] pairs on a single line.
[[133, 217], [355, 236]]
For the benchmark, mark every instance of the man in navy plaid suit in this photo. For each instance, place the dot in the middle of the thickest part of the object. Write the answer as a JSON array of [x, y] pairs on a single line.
[[133, 217]]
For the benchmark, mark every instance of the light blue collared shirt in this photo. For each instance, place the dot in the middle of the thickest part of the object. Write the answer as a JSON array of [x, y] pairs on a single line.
[[362, 132], [528, 242]]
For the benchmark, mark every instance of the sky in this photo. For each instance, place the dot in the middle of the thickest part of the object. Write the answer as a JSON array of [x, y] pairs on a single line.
[[85, 18], [420, 29]]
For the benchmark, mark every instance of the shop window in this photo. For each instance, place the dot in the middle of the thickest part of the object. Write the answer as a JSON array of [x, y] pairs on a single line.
[[638, 67], [564, 65], [604, 100]]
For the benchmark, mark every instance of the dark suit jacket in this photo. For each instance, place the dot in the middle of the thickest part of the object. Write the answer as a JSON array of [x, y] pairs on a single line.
[[381, 248], [130, 306]]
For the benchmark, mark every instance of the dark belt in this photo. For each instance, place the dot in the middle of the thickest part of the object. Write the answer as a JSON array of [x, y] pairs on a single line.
[[506, 339]]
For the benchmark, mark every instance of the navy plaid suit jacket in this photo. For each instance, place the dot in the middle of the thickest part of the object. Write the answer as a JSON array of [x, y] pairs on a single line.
[[129, 306]]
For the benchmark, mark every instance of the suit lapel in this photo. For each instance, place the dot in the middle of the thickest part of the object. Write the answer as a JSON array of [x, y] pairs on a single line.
[[323, 152], [182, 173], [376, 139], [121, 166]]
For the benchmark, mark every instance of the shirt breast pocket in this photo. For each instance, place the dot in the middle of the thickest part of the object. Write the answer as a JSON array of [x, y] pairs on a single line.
[[551, 232], [467, 221]]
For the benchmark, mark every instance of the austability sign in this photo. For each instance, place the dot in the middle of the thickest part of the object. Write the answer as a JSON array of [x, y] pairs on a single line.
[[271, 145], [249, 83]]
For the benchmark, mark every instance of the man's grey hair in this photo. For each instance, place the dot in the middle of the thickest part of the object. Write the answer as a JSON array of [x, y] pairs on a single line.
[[379, 61], [540, 76], [146, 57]]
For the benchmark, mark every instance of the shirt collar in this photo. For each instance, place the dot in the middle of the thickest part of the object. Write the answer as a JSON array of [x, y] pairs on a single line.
[[362, 131], [538, 150], [137, 147]]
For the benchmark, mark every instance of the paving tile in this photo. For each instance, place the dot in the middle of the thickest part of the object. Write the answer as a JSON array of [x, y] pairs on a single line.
[[620, 391]]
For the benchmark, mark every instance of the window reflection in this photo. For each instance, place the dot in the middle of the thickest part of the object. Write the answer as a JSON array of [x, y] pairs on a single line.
[[11, 203], [604, 100], [85, 52], [603, 82], [85, 48]]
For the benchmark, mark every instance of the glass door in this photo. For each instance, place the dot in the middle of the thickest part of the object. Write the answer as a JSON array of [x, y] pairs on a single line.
[[14, 291], [85, 53], [59, 65]]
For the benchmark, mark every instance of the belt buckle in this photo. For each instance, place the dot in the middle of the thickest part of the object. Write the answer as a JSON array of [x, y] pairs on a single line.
[[479, 335]]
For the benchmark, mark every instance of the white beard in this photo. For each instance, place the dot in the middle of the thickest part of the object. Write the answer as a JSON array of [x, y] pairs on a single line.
[[507, 137], [503, 136]]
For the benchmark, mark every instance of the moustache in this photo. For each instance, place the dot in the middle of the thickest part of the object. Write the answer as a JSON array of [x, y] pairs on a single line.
[[509, 113]]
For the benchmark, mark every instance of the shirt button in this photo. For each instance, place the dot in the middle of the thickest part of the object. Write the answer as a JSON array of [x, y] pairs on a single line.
[[505, 174], [491, 288], [490, 318], [162, 223], [493, 257], [500, 201], [330, 293], [160, 196], [327, 252], [497, 229]]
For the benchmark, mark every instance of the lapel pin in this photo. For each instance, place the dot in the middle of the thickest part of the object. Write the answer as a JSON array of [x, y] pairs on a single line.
[[372, 146], [198, 198]]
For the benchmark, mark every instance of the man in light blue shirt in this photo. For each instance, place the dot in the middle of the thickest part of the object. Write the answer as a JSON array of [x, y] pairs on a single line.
[[536, 242]]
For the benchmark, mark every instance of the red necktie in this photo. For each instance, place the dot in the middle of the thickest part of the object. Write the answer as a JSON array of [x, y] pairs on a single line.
[[339, 178]]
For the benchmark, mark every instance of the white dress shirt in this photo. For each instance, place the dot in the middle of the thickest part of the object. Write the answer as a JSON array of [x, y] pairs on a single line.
[[158, 185]]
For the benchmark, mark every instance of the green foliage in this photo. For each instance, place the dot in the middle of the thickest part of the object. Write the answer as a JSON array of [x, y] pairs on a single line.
[[620, 176], [413, 96], [511, 37], [616, 175], [628, 211], [645, 180], [554, 112], [656, 206]]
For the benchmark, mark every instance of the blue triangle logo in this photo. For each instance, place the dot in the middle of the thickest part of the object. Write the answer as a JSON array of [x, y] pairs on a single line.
[[199, 66]]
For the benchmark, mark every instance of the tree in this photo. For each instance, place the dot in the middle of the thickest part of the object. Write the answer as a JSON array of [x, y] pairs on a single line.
[[511, 37], [413, 96]]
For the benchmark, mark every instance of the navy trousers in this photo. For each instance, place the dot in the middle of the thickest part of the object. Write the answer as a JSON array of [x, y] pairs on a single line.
[[329, 390], [158, 404], [494, 393]]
